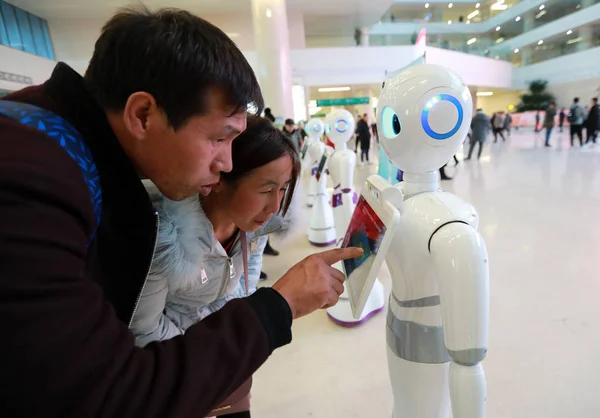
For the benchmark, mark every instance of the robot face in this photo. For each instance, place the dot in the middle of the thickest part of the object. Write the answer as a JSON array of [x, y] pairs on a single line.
[[314, 129], [425, 114], [339, 126]]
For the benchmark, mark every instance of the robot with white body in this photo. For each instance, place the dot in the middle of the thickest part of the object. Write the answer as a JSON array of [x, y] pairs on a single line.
[[438, 316], [314, 129], [340, 128], [321, 232]]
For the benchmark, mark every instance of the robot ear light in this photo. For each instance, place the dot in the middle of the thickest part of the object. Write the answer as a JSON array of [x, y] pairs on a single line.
[[390, 123], [430, 105]]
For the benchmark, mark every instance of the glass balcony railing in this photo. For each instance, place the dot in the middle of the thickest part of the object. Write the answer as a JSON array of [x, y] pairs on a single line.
[[458, 13]]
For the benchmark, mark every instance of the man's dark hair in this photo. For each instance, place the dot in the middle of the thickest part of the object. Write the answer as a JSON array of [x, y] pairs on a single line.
[[576, 100], [289, 121], [258, 145], [176, 57], [595, 100]]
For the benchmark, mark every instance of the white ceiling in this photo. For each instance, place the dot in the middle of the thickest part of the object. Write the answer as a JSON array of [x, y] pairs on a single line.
[[321, 17]]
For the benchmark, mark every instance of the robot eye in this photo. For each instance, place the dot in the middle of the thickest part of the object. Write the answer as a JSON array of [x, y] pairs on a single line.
[[327, 128], [341, 126], [316, 128], [390, 123]]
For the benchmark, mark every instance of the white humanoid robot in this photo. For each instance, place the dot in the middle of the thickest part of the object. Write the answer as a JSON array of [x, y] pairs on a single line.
[[438, 316], [314, 129], [321, 232], [340, 128]]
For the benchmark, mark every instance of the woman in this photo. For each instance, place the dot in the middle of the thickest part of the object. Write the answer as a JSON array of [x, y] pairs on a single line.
[[199, 261]]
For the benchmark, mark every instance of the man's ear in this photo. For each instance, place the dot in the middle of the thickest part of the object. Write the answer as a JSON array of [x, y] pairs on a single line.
[[140, 114]]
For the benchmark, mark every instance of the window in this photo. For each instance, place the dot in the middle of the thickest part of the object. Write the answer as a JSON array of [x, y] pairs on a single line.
[[23, 31]]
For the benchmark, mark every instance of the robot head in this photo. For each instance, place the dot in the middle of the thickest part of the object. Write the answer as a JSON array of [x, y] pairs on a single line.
[[423, 117], [315, 129], [339, 126]]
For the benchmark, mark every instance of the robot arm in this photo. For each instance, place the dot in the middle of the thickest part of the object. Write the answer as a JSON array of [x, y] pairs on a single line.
[[461, 261]]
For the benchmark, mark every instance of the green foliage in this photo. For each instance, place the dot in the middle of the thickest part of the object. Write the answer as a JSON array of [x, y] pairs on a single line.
[[537, 98]]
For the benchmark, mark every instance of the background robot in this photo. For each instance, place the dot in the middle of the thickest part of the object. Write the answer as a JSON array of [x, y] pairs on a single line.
[[321, 231], [437, 325], [314, 129], [340, 128]]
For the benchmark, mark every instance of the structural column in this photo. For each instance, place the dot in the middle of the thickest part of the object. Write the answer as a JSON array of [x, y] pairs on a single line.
[[271, 38], [364, 36], [586, 33]]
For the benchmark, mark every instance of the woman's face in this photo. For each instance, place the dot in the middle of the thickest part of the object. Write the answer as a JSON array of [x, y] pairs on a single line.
[[252, 200]]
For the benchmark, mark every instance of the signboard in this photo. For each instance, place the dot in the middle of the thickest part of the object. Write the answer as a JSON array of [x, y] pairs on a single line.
[[346, 101], [16, 78]]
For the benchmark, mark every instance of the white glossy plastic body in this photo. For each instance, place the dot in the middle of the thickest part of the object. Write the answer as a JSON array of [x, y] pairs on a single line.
[[340, 128], [321, 230], [438, 316], [314, 129]]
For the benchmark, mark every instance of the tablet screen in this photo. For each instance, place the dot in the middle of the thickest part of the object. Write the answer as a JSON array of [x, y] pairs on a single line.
[[321, 167], [366, 230]]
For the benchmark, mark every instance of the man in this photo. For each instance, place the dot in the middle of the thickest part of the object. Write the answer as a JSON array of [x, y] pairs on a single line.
[[576, 119], [549, 123], [363, 133], [593, 122], [480, 126], [164, 95], [561, 119], [498, 126]]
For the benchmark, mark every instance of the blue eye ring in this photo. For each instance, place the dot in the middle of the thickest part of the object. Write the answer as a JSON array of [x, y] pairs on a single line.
[[341, 122], [425, 116]]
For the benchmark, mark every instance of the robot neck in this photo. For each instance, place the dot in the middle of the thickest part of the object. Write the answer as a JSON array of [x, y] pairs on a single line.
[[420, 183], [340, 147]]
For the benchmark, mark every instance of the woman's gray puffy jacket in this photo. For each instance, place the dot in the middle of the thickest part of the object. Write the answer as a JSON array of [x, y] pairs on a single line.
[[192, 275]]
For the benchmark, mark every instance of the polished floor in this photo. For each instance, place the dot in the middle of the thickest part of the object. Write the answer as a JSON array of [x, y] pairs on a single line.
[[540, 217]]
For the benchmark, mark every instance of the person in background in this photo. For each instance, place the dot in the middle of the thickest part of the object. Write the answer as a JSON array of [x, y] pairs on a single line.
[[498, 126], [576, 119], [72, 266], [269, 115], [480, 127], [199, 262], [561, 119], [549, 122], [593, 121], [375, 132], [290, 130], [508, 123], [364, 136], [537, 121]]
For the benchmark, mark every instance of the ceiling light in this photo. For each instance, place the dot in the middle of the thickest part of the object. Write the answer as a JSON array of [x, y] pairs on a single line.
[[328, 89], [517, 18], [499, 5], [484, 93], [471, 41], [473, 14], [269, 14], [542, 7], [497, 57], [477, 5], [498, 28], [449, 22], [574, 40], [569, 32], [427, 5], [450, 5], [468, 22], [578, 6], [516, 51], [540, 42], [540, 14], [499, 40]]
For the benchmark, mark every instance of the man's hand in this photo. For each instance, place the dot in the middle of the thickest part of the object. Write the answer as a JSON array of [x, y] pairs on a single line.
[[312, 283]]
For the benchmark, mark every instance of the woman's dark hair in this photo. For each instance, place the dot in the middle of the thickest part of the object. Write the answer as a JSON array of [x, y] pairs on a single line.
[[176, 57], [258, 145]]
